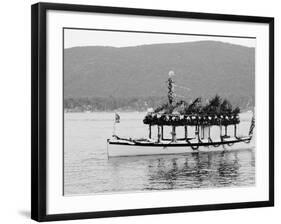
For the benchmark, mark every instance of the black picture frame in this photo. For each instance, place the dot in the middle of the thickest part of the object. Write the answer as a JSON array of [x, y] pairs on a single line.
[[39, 107]]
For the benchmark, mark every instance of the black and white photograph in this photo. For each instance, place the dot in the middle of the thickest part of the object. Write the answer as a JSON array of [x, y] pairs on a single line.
[[140, 111], [151, 111]]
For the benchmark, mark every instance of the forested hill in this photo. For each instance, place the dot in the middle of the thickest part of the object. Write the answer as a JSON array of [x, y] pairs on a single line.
[[206, 67]]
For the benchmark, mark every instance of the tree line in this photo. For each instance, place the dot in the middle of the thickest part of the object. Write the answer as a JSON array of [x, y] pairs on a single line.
[[111, 103]]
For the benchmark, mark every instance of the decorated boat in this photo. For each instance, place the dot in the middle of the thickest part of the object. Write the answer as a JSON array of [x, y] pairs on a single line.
[[210, 127]]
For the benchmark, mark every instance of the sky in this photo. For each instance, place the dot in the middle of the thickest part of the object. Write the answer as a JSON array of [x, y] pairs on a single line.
[[78, 37]]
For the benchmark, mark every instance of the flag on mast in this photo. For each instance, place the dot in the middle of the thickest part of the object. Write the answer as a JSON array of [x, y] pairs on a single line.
[[252, 125], [117, 118]]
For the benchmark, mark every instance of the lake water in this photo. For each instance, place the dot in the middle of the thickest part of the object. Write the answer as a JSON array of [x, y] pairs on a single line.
[[87, 169]]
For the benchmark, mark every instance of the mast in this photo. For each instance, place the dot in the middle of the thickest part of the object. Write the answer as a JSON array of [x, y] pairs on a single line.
[[171, 88], [171, 99]]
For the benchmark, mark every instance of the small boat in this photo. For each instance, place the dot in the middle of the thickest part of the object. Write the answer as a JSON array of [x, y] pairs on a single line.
[[191, 117], [129, 147]]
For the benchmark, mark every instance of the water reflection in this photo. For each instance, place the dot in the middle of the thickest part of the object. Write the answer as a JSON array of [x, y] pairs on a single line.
[[201, 170]]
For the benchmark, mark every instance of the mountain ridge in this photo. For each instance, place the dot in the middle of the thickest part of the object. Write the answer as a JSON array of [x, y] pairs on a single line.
[[168, 43], [206, 67]]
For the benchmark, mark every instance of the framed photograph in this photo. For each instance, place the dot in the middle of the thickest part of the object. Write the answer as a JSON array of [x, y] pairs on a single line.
[[138, 111]]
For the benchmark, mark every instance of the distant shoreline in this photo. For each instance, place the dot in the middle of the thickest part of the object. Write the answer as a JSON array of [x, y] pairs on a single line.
[[131, 111]]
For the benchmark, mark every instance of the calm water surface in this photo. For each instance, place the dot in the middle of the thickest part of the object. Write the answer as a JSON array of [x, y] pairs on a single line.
[[87, 169]]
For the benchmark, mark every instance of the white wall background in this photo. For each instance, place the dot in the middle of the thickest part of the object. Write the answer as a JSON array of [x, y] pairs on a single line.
[[15, 110]]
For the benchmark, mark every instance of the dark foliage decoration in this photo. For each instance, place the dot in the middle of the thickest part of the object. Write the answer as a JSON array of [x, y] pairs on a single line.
[[215, 112]]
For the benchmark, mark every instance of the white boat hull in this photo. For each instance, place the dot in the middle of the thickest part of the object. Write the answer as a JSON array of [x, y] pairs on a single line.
[[115, 150]]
